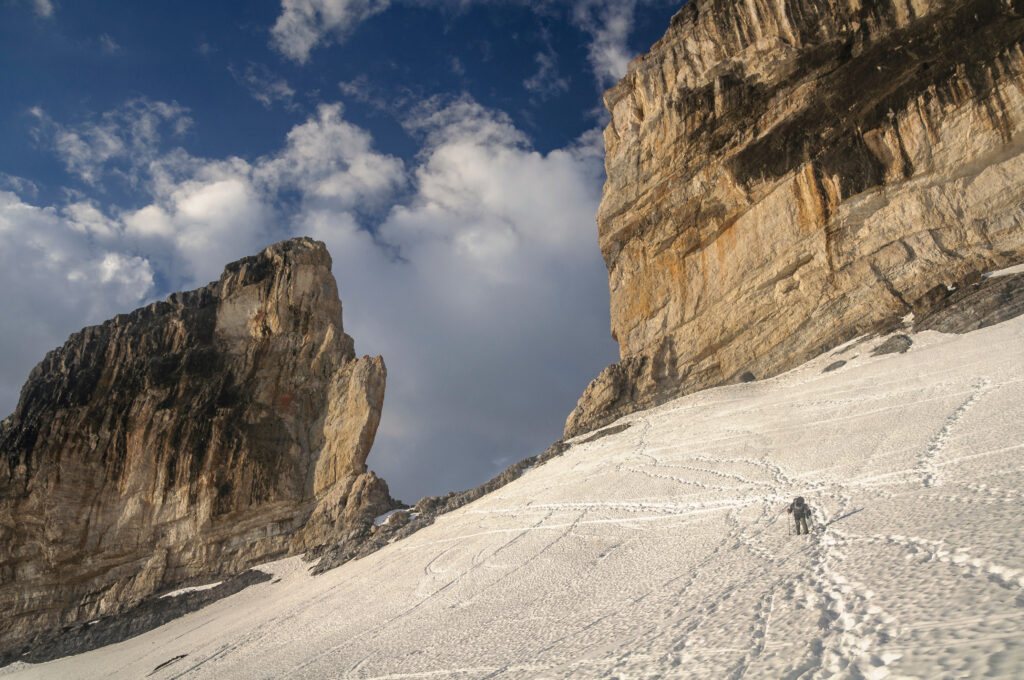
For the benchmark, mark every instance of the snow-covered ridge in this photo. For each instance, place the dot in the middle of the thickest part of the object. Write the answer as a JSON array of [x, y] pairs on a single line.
[[665, 550]]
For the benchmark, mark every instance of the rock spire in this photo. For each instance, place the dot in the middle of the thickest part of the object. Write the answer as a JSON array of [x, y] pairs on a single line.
[[187, 440]]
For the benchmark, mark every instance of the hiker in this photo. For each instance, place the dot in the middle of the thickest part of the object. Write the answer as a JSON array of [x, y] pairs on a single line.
[[800, 512]]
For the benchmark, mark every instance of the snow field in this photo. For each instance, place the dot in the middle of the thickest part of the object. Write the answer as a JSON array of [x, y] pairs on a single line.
[[665, 551]]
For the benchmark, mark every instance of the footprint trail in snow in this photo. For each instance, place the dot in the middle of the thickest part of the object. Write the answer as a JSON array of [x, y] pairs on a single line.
[[664, 551]]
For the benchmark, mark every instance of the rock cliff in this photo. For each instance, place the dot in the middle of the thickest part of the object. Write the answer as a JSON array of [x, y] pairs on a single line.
[[187, 440], [783, 176]]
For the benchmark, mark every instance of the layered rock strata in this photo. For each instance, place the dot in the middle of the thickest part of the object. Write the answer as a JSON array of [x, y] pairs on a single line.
[[783, 176], [186, 441]]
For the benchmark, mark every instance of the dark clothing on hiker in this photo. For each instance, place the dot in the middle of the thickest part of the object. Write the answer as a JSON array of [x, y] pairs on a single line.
[[800, 512]]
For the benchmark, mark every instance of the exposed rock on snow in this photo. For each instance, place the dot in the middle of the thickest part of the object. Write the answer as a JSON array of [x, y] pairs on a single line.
[[834, 366], [983, 302], [186, 441], [895, 344], [785, 176], [152, 612]]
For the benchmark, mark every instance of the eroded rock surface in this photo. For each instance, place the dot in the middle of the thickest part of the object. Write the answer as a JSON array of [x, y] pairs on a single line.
[[784, 176], [186, 441]]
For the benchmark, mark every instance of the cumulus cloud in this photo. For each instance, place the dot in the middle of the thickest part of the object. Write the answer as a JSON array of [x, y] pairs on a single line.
[[85, 217], [475, 273], [202, 213], [61, 270], [199, 223], [303, 24], [489, 304], [205, 213], [329, 160]]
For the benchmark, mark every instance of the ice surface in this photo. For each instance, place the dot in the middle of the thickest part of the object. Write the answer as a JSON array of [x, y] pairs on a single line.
[[665, 551]]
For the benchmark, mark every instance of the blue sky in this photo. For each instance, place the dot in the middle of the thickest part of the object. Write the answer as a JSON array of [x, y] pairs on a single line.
[[447, 151]]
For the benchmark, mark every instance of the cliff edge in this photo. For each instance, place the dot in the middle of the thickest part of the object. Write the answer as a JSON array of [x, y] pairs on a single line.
[[785, 176]]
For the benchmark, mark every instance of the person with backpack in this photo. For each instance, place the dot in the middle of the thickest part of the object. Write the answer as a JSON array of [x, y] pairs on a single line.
[[800, 511]]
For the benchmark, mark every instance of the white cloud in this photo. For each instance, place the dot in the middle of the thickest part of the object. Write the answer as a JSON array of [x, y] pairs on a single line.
[[43, 8], [85, 152], [86, 218], [148, 222], [203, 213], [442, 120], [131, 274], [303, 24], [18, 185], [609, 23], [264, 86], [475, 273], [127, 137], [200, 221], [306, 24], [546, 82], [328, 159], [482, 188], [109, 45], [56, 277], [490, 306]]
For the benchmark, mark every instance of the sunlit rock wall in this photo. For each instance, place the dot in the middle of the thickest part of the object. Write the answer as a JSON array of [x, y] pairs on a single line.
[[783, 176], [187, 440]]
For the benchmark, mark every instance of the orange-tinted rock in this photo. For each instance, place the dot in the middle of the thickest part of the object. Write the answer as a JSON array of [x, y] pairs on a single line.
[[783, 176]]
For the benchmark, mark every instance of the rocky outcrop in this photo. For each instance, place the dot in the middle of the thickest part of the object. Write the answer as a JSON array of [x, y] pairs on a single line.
[[784, 176], [151, 613], [186, 441], [971, 305]]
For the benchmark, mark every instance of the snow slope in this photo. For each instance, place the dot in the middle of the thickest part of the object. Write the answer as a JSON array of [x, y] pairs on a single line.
[[664, 551]]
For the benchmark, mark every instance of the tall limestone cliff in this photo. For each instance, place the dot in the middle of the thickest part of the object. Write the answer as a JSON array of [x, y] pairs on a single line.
[[187, 440], [786, 175]]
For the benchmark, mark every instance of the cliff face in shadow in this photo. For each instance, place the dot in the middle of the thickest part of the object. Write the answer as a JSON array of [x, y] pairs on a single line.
[[784, 176], [187, 440]]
